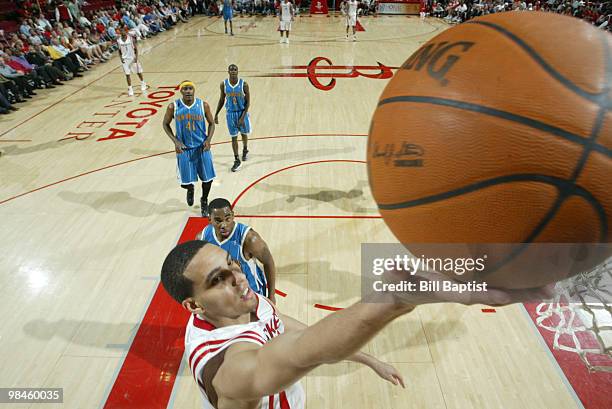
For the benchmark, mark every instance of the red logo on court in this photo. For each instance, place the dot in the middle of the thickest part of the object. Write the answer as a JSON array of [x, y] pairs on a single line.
[[320, 67]]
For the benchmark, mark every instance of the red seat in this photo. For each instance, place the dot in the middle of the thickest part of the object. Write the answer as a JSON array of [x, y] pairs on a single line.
[[9, 26]]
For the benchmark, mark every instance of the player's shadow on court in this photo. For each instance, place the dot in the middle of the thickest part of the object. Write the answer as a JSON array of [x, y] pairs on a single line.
[[294, 197], [325, 294], [106, 336], [122, 202], [15, 150]]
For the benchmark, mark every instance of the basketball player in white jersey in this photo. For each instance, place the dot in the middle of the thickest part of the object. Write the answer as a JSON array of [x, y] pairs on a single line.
[[128, 52], [245, 354], [350, 7], [287, 13]]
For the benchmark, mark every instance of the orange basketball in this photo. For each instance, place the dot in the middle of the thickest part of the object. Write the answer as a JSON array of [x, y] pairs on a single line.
[[499, 130]]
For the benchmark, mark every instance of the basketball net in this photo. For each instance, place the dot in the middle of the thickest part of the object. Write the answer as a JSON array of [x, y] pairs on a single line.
[[580, 316]]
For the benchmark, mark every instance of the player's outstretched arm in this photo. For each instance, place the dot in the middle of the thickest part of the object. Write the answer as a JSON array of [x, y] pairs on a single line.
[[255, 246], [220, 103], [386, 371], [250, 372]]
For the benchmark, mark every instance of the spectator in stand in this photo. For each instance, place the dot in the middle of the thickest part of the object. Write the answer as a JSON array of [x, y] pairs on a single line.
[[25, 83], [144, 29], [96, 40], [62, 13], [66, 30], [42, 23], [74, 9], [18, 61], [56, 51], [193, 6], [87, 52], [84, 21], [153, 22], [5, 105], [25, 28], [111, 30], [10, 91], [40, 59]]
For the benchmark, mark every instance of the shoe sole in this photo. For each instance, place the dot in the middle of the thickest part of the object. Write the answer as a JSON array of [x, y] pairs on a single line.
[[236, 169]]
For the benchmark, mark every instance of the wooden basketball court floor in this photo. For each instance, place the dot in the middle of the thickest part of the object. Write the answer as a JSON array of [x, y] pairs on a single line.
[[90, 205]]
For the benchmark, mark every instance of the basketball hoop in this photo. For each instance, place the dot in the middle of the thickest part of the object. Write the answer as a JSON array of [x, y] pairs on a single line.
[[580, 317]]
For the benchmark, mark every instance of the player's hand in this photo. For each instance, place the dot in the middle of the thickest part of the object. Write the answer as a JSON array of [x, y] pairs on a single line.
[[241, 121], [216, 119], [206, 146], [179, 147], [388, 372]]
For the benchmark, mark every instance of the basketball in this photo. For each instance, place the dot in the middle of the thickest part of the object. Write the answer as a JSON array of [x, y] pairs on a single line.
[[499, 130]]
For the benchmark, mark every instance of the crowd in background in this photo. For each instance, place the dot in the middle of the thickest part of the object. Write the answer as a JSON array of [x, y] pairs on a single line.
[[598, 13], [63, 41]]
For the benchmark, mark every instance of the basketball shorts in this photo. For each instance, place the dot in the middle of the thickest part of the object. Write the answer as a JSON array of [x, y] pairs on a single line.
[[130, 67], [195, 164], [285, 25], [351, 21], [227, 13], [232, 118]]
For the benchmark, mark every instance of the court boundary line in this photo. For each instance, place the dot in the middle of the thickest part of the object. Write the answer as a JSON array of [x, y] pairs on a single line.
[[130, 342], [552, 358], [45, 109], [291, 167]]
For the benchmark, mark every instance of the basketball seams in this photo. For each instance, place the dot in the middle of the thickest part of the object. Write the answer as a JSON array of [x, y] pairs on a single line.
[[601, 115], [563, 186], [523, 120], [566, 82], [540, 196]]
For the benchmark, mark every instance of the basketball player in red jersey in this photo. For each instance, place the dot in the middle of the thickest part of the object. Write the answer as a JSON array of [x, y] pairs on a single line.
[[245, 354]]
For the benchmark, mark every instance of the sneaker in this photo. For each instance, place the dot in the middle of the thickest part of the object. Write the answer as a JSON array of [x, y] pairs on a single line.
[[245, 152], [354, 38], [347, 37], [204, 205], [287, 40], [190, 191], [237, 165], [144, 86], [130, 91], [281, 40]]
